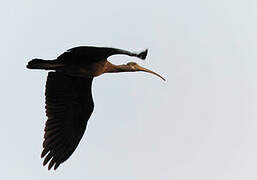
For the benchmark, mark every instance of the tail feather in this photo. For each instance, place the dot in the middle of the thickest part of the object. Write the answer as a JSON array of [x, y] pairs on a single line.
[[44, 64]]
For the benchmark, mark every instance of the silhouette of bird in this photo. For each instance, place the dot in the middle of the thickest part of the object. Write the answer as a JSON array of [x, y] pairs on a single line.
[[69, 102]]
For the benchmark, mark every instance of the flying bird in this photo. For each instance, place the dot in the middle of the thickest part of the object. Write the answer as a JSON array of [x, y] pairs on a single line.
[[68, 97]]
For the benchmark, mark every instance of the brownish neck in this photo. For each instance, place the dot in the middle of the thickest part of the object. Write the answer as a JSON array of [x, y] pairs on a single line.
[[112, 68], [130, 67]]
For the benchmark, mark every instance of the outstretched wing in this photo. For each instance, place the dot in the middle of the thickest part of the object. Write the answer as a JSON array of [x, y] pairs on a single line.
[[88, 54], [84, 55], [69, 104]]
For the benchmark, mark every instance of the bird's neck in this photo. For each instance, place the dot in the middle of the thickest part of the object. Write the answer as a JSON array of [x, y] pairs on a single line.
[[112, 68]]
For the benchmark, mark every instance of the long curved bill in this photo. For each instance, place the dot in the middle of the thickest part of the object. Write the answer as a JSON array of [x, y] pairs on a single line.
[[140, 68]]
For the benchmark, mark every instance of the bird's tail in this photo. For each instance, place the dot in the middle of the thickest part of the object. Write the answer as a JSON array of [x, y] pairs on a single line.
[[44, 64]]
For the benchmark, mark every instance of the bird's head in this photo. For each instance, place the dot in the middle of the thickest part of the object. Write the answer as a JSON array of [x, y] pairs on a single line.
[[135, 67], [132, 65]]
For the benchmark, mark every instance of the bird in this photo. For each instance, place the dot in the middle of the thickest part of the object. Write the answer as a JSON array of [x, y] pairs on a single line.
[[68, 97]]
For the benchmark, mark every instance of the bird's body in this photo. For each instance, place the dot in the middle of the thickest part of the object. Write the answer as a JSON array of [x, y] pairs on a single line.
[[69, 101], [90, 70]]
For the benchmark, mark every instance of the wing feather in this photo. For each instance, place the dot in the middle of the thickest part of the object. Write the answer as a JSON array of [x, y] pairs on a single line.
[[69, 105]]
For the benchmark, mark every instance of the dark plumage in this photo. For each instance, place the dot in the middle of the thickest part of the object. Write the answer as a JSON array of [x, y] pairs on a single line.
[[94, 54], [82, 55], [69, 102]]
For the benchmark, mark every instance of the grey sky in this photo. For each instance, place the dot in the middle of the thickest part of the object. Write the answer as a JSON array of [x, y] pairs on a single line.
[[199, 124]]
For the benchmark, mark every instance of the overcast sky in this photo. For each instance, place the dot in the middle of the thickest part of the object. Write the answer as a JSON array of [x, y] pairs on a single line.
[[199, 124]]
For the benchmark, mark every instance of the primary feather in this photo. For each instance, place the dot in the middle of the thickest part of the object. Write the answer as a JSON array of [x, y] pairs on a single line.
[[69, 104]]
